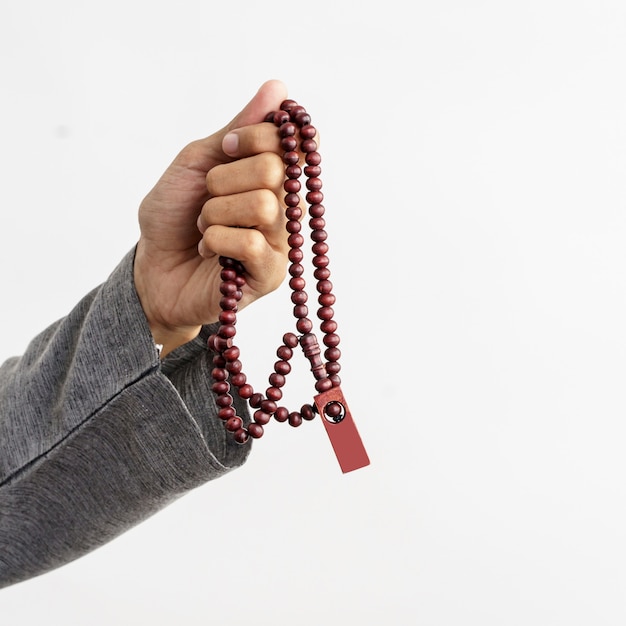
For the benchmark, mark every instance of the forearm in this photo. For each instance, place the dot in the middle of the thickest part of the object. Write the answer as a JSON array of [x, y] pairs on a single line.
[[96, 433]]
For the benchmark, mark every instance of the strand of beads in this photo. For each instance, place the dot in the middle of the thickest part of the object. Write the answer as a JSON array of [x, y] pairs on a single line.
[[292, 121]]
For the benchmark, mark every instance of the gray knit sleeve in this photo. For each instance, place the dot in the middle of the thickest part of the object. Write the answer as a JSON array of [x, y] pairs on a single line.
[[96, 434]]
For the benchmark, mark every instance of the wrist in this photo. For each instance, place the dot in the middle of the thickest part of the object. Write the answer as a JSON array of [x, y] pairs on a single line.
[[166, 336], [170, 339]]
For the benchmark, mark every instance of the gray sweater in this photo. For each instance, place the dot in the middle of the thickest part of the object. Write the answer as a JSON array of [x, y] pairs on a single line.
[[96, 433]]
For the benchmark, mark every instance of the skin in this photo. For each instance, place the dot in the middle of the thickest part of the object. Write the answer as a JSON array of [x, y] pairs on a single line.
[[220, 196]]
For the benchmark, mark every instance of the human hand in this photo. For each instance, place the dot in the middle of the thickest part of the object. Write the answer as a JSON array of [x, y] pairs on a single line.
[[220, 196]]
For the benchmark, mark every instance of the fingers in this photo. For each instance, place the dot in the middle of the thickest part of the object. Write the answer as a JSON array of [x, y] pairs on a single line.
[[251, 140], [230, 225], [261, 171], [250, 209]]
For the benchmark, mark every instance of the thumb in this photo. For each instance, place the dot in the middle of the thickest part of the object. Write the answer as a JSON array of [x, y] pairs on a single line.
[[208, 152], [268, 98]]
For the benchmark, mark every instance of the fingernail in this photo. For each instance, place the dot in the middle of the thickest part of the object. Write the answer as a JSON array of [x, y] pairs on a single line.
[[201, 248], [230, 144]]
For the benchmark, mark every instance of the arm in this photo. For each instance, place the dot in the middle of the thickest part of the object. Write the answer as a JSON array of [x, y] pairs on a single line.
[[97, 432]]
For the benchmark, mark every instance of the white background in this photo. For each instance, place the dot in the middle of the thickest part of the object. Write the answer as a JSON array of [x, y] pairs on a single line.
[[474, 169]]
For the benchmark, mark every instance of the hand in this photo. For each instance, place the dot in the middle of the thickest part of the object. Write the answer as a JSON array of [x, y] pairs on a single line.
[[220, 196]]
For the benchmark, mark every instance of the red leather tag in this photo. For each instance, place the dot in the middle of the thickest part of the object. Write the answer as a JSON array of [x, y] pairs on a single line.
[[341, 429]]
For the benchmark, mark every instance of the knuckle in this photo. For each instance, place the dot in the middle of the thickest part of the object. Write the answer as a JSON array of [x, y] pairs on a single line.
[[213, 179], [266, 206], [254, 243], [271, 170]]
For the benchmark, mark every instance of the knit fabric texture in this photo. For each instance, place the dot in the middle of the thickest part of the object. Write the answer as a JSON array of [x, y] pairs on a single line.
[[97, 434]]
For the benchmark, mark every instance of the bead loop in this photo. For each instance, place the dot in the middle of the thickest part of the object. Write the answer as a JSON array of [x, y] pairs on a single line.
[[297, 137]]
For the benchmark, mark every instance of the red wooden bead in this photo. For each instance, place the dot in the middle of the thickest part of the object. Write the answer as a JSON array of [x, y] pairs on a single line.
[[332, 354], [231, 354], [218, 344], [320, 260], [308, 132], [314, 197], [328, 326], [261, 417], [228, 317], [241, 436], [313, 158], [300, 311], [295, 109], [302, 118], [224, 400], [309, 145], [273, 393], [312, 170], [296, 269], [288, 144], [324, 286], [307, 412], [292, 158], [295, 240], [234, 367], [284, 352], [287, 105], [255, 430], [238, 379], [313, 184], [325, 313], [290, 340], [246, 391], [293, 226], [332, 340], [227, 331], [295, 419], [333, 409], [293, 213], [226, 413], [268, 406], [282, 414], [323, 384], [288, 129], [326, 300], [321, 273], [304, 325], [292, 185], [228, 302], [299, 297], [294, 171], [228, 274], [292, 199], [281, 117], [317, 223], [220, 387], [317, 210], [319, 235], [234, 424], [332, 367], [277, 379], [219, 374], [297, 283], [228, 288], [319, 247], [255, 400]]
